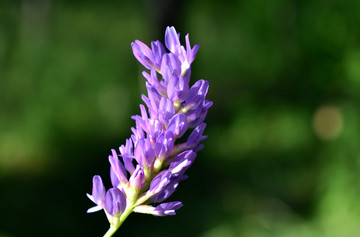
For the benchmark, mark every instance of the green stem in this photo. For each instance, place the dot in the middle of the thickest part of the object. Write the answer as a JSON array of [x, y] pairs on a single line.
[[111, 231], [117, 223]]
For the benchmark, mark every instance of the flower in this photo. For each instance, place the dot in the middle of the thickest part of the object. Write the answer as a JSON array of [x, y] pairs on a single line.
[[98, 194], [163, 209], [153, 161], [115, 202]]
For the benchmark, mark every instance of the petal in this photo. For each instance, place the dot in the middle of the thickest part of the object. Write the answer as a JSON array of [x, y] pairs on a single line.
[[98, 191], [164, 145], [127, 155], [167, 109], [196, 135], [117, 167], [115, 202], [94, 209], [166, 192], [90, 197], [144, 153], [143, 54], [197, 93], [158, 50], [190, 52], [137, 179], [171, 39], [169, 208], [170, 65], [159, 183], [178, 125], [114, 178], [182, 162]]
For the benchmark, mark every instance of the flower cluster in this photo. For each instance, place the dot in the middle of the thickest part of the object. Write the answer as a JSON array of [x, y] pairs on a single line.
[[153, 160]]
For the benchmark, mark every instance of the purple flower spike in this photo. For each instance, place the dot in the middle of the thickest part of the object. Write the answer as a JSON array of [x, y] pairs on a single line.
[[160, 150], [115, 202]]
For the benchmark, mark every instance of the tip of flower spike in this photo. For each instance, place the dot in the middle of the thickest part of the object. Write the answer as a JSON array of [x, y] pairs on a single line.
[[171, 39]]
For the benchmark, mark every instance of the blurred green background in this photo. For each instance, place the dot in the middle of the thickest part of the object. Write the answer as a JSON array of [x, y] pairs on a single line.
[[282, 156]]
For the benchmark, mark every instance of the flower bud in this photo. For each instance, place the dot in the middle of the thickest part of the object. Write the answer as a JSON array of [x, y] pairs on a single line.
[[115, 202]]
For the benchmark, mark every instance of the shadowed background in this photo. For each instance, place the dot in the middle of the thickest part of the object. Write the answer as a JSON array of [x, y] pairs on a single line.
[[282, 156]]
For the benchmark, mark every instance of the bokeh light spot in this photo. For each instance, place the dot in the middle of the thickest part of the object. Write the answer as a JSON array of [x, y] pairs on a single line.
[[328, 122]]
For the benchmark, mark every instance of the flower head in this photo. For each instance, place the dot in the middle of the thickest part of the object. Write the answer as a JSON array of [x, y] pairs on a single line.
[[153, 161]]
